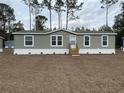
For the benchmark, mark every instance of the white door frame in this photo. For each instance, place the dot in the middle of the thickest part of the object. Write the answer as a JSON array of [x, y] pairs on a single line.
[[72, 38]]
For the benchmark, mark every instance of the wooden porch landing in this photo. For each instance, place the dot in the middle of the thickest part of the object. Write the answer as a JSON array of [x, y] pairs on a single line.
[[74, 51]]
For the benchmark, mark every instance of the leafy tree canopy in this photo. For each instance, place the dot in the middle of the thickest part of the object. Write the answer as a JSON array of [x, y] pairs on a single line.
[[105, 28], [119, 20], [6, 16], [108, 2], [6, 13], [119, 26], [40, 21], [73, 7], [17, 26]]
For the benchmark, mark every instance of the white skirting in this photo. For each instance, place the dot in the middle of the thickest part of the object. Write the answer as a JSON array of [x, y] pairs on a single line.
[[96, 51], [1, 50], [40, 51], [62, 51]]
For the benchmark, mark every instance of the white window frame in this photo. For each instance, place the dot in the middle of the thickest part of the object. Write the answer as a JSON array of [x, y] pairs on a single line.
[[89, 40], [32, 41], [102, 41], [56, 41]]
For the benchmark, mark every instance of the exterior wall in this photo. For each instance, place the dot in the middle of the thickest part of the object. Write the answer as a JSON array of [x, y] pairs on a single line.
[[1, 45], [96, 42], [42, 44], [96, 46], [41, 41]]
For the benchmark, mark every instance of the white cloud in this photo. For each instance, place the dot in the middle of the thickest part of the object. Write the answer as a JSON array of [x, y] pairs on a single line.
[[5, 1], [91, 15]]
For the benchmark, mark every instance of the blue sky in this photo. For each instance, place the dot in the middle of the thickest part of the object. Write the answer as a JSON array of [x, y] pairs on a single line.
[[91, 15]]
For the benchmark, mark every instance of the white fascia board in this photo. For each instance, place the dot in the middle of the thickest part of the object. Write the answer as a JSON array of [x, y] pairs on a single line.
[[71, 32], [22, 33]]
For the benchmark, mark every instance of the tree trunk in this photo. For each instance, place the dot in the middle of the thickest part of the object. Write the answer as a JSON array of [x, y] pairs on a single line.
[[50, 20], [59, 24], [67, 19], [60, 20], [30, 15], [107, 15], [9, 30], [4, 28], [35, 28]]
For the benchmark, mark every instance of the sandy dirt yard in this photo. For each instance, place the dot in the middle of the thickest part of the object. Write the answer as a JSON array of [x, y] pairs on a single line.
[[62, 74]]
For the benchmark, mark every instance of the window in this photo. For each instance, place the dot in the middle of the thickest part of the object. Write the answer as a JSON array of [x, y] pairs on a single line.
[[56, 40], [87, 41], [28, 40], [59, 40], [104, 41], [53, 40]]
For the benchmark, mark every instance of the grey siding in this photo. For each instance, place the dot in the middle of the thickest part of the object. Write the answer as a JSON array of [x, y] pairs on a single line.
[[43, 41], [95, 42]]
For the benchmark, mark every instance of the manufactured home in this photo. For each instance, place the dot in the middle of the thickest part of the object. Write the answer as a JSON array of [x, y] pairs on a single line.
[[63, 42], [1, 44]]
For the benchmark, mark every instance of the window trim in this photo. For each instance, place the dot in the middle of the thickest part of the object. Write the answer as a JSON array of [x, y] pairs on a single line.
[[89, 40], [102, 41], [56, 41], [32, 41]]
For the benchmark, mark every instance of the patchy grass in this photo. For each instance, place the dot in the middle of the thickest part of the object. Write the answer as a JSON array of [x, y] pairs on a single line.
[[62, 74]]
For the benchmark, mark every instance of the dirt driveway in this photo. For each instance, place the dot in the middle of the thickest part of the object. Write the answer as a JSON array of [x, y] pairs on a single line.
[[62, 74]]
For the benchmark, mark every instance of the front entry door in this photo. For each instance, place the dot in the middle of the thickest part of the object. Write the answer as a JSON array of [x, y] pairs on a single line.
[[73, 41]]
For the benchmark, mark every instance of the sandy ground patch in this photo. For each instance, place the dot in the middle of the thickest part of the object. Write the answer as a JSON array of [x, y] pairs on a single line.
[[62, 74]]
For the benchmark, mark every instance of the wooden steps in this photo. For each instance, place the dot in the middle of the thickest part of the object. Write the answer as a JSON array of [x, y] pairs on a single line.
[[74, 51], [75, 55], [8, 51]]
